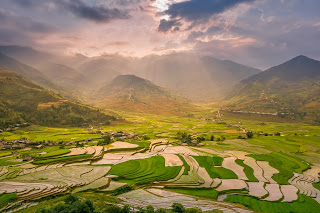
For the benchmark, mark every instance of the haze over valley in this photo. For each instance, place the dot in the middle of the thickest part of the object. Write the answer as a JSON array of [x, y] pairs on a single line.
[[159, 106]]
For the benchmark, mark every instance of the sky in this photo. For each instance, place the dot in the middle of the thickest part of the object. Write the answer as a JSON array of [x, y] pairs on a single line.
[[258, 33]]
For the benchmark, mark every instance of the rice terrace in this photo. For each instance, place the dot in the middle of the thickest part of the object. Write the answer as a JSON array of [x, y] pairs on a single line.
[[155, 164], [159, 106]]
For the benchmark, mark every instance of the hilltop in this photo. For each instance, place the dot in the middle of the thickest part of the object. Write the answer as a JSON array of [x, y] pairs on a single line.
[[291, 89], [132, 93], [23, 101]]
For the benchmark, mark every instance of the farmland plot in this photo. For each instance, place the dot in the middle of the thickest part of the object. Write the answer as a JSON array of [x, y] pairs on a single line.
[[164, 199]]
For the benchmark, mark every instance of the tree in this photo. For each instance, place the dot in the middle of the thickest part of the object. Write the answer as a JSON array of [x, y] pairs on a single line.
[[160, 210], [184, 137], [249, 134], [200, 139], [212, 138], [149, 209], [112, 209], [106, 140], [178, 208]]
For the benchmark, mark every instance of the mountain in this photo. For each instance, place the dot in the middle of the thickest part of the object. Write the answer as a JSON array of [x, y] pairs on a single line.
[[132, 93], [34, 58], [291, 89], [195, 76], [200, 78], [31, 73], [23, 101], [101, 70]]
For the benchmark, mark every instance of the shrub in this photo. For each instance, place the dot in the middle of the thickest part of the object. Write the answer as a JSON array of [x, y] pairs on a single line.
[[249, 134]]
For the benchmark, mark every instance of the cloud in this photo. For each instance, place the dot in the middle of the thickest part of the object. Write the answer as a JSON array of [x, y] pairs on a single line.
[[18, 30], [201, 10], [9, 20], [196, 11], [80, 8], [172, 25], [99, 14], [24, 3]]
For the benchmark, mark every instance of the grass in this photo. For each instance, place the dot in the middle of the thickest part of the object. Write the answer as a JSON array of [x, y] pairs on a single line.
[[4, 154], [284, 163], [64, 159], [7, 198], [304, 204], [142, 144], [8, 161], [208, 193], [99, 199], [247, 170], [54, 153], [215, 172], [185, 164], [143, 171]]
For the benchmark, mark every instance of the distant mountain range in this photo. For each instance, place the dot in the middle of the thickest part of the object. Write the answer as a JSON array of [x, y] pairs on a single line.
[[291, 89], [131, 93], [151, 84], [196, 77]]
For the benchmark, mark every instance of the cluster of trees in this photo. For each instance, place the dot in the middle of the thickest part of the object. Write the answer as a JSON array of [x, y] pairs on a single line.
[[106, 140], [72, 204], [184, 137], [69, 114], [8, 117], [65, 114]]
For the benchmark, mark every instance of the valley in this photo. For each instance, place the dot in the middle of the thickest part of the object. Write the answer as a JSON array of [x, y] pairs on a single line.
[[116, 140], [142, 161]]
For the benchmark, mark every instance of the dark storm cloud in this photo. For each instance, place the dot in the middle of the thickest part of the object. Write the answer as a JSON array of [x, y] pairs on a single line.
[[20, 30], [201, 10], [93, 13], [23, 24], [195, 11], [99, 14], [25, 3], [165, 25]]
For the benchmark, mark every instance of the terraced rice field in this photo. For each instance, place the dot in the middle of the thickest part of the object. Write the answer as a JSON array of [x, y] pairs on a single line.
[[183, 173]]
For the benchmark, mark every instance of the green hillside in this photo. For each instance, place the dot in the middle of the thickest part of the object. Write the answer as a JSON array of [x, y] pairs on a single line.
[[23, 101], [131, 93], [290, 90]]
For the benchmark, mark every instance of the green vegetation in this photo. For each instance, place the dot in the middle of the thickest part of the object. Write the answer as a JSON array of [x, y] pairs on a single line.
[[184, 137], [215, 172], [317, 185], [64, 159], [142, 144], [209, 193], [7, 198], [73, 203], [4, 154], [284, 163], [247, 170], [7, 161], [304, 204], [249, 134], [54, 153], [185, 164], [143, 171], [22, 101], [121, 190]]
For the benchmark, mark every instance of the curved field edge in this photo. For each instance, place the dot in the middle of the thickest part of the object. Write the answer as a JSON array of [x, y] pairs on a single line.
[[284, 163], [143, 171], [303, 204]]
